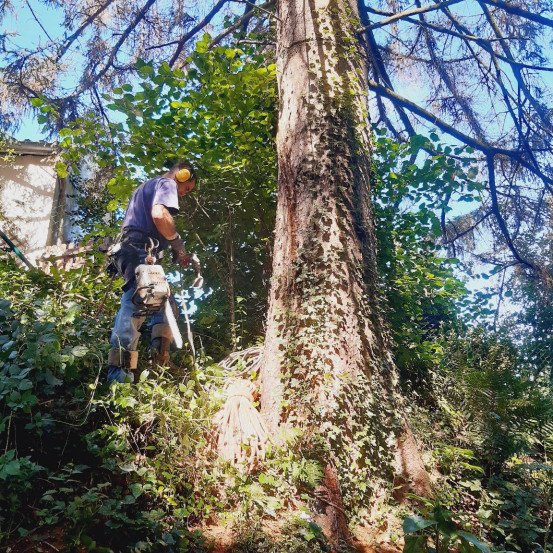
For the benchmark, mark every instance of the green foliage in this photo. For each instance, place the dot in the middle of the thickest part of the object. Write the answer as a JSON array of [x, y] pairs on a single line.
[[421, 286], [122, 467], [219, 114], [438, 528], [73, 456], [129, 467], [299, 535], [492, 437]]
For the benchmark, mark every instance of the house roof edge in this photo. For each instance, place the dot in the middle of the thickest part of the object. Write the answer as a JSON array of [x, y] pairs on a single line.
[[29, 147]]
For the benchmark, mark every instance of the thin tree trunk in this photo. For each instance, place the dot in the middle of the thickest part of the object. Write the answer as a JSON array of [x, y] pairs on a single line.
[[327, 366], [229, 247]]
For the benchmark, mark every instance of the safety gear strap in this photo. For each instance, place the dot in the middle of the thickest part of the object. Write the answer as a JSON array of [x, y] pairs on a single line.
[[126, 359]]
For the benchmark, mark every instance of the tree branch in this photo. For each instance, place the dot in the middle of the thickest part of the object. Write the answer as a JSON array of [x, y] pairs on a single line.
[[499, 217], [485, 44], [451, 241], [373, 51], [240, 21], [463, 102], [515, 10], [407, 13], [139, 16], [516, 68], [523, 139], [69, 40], [482, 146], [195, 30], [38, 20]]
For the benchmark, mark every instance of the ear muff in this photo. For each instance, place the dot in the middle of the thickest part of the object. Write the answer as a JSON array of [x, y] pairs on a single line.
[[183, 175]]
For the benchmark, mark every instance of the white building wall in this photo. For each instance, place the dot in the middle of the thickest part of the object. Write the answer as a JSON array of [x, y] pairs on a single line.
[[29, 196]]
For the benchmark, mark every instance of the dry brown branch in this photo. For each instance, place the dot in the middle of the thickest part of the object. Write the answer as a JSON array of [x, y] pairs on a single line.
[[243, 362]]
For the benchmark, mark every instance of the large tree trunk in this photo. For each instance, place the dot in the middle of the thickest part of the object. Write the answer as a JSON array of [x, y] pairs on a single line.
[[327, 364]]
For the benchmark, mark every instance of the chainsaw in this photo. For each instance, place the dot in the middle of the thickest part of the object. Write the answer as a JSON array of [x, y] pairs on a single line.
[[152, 293]]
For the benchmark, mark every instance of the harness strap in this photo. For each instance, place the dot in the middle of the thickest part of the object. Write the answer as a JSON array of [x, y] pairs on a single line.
[[126, 359]]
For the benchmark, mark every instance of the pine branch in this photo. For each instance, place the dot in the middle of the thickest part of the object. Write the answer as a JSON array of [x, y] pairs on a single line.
[[69, 40], [515, 10], [240, 22], [195, 30], [95, 78], [373, 51]]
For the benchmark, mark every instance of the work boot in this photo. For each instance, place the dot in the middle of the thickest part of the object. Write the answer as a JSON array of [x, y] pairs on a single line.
[[117, 374], [160, 351]]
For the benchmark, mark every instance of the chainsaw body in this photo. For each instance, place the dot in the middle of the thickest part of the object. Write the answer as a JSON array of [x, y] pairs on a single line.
[[152, 294], [152, 288]]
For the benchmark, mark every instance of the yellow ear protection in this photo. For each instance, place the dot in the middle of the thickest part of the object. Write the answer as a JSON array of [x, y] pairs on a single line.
[[183, 175]]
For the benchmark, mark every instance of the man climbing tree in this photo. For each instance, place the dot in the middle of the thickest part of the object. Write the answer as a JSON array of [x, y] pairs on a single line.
[[148, 221]]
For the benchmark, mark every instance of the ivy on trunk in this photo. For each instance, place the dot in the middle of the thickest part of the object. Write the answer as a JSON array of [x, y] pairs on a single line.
[[327, 364]]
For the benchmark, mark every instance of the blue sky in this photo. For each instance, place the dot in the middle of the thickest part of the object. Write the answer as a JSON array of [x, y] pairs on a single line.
[[29, 35]]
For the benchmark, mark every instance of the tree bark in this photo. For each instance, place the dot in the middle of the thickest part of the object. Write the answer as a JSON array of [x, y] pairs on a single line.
[[327, 365]]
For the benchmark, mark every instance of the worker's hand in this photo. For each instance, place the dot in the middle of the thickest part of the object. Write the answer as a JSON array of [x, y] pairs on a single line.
[[179, 252], [182, 258], [177, 244]]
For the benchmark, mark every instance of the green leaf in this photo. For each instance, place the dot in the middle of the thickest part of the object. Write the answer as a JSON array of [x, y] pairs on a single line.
[[61, 170], [203, 44], [136, 490], [415, 523], [144, 376], [79, 351], [474, 541], [13, 468]]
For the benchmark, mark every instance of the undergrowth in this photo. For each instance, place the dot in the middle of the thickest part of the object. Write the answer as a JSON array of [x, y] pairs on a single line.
[[120, 467], [131, 467]]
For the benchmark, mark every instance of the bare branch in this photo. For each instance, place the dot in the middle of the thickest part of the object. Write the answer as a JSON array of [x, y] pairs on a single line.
[[38, 20], [485, 44], [407, 13], [195, 30], [499, 217], [515, 10]]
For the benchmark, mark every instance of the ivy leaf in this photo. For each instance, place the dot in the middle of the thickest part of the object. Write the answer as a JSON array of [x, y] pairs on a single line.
[[136, 490], [79, 351]]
